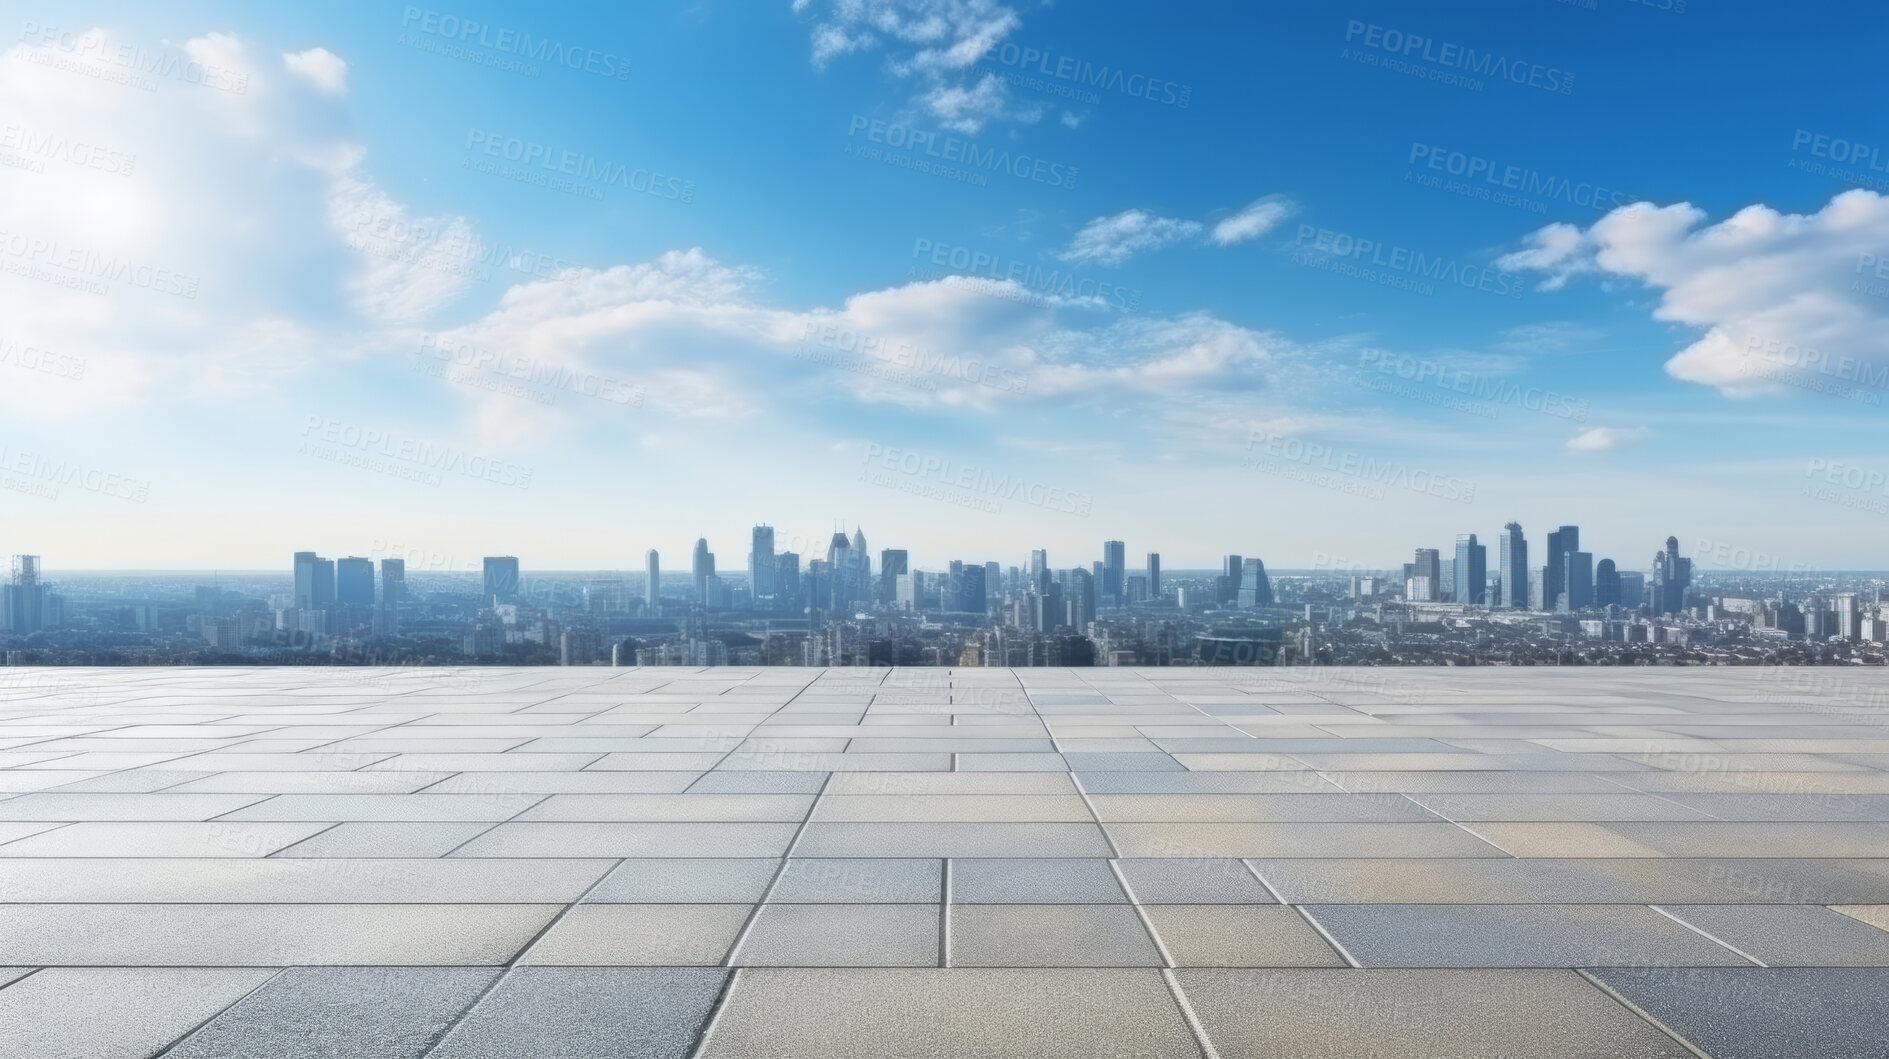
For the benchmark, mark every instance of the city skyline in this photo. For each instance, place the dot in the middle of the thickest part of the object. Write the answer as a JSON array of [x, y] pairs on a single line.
[[957, 270]]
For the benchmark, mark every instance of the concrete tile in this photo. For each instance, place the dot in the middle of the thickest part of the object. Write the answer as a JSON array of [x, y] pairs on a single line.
[[58, 806], [631, 840], [1049, 936], [1201, 881], [1239, 936], [1412, 840], [681, 880], [1791, 935], [1385, 935], [951, 840], [970, 808], [1257, 808], [303, 782], [640, 935], [281, 880], [1471, 1014], [936, 783], [324, 1012], [116, 1012], [1753, 1012], [415, 807], [267, 935], [1580, 807], [382, 839], [1050, 881], [503, 784], [826, 935], [1128, 762], [758, 783], [162, 839], [580, 1013], [859, 880], [706, 808], [946, 1014], [1574, 880]]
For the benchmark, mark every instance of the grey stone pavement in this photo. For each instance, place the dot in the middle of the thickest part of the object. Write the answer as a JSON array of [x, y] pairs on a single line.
[[459, 863]]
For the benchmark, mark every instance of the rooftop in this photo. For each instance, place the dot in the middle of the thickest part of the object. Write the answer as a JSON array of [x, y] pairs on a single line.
[[724, 862]]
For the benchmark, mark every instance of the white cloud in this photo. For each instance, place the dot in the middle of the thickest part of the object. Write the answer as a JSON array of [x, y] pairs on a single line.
[[321, 68], [1113, 240], [1604, 439], [1781, 298], [1258, 218], [933, 41]]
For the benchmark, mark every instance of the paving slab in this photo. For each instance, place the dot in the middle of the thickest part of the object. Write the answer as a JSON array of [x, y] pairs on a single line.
[[326, 1012], [587, 1012], [1753, 1012], [116, 1012]]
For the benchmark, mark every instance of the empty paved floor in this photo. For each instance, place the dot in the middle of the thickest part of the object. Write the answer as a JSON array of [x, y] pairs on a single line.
[[987, 862]]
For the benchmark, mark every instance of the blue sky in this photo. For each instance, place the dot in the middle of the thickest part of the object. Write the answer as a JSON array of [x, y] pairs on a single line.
[[389, 292]]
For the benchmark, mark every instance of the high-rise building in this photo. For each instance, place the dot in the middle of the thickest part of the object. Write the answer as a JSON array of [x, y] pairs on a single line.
[[1472, 570], [761, 563], [909, 592], [993, 582], [652, 584], [1632, 588], [951, 592], [1429, 566], [501, 579], [703, 568], [1512, 568], [393, 594], [1560, 543], [305, 579], [787, 580], [1039, 567], [26, 604], [1114, 560], [1606, 584], [1230, 570], [843, 571], [354, 581], [1081, 596], [1577, 582], [1255, 588], [1154, 575], [1672, 576], [972, 598], [892, 566]]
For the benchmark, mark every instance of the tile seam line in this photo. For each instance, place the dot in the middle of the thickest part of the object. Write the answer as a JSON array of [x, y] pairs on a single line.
[[713, 1019], [1644, 1015], [186, 1035], [1709, 936], [1186, 1006], [747, 927], [1141, 913]]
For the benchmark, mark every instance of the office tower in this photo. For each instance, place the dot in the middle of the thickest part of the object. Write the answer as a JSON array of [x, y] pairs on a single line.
[[761, 563], [972, 598], [819, 586], [1472, 570], [1512, 568], [652, 584], [892, 566], [1560, 543], [1114, 560], [1050, 611], [1135, 588], [24, 603], [1606, 584], [354, 581], [993, 582], [1081, 597], [1429, 569], [1672, 575], [787, 580], [1154, 575], [1039, 567], [1849, 614], [908, 593], [702, 567], [1577, 582], [501, 579], [1632, 588], [951, 593], [1255, 589], [839, 561], [1095, 571], [1230, 569], [1446, 581], [393, 593], [305, 579], [1538, 581], [324, 582]]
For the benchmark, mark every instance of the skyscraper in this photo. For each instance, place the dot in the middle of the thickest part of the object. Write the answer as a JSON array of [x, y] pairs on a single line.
[[1512, 568], [305, 579], [971, 598], [862, 567], [1154, 575], [1081, 597], [892, 566], [841, 572], [1255, 589], [1577, 582], [1472, 570], [1114, 559], [23, 604], [393, 593], [761, 563], [1230, 569], [1429, 565], [1560, 543], [787, 580], [354, 581], [703, 567], [1606, 583], [501, 579], [652, 587], [1039, 566], [1672, 575]]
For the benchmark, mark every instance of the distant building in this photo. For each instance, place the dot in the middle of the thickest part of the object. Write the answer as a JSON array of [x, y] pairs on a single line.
[[761, 562], [703, 567], [652, 584], [354, 581], [1512, 568], [1114, 563], [1472, 570], [1672, 576], [1255, 588], [501, 579], [892, 566], [1154, 575]]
